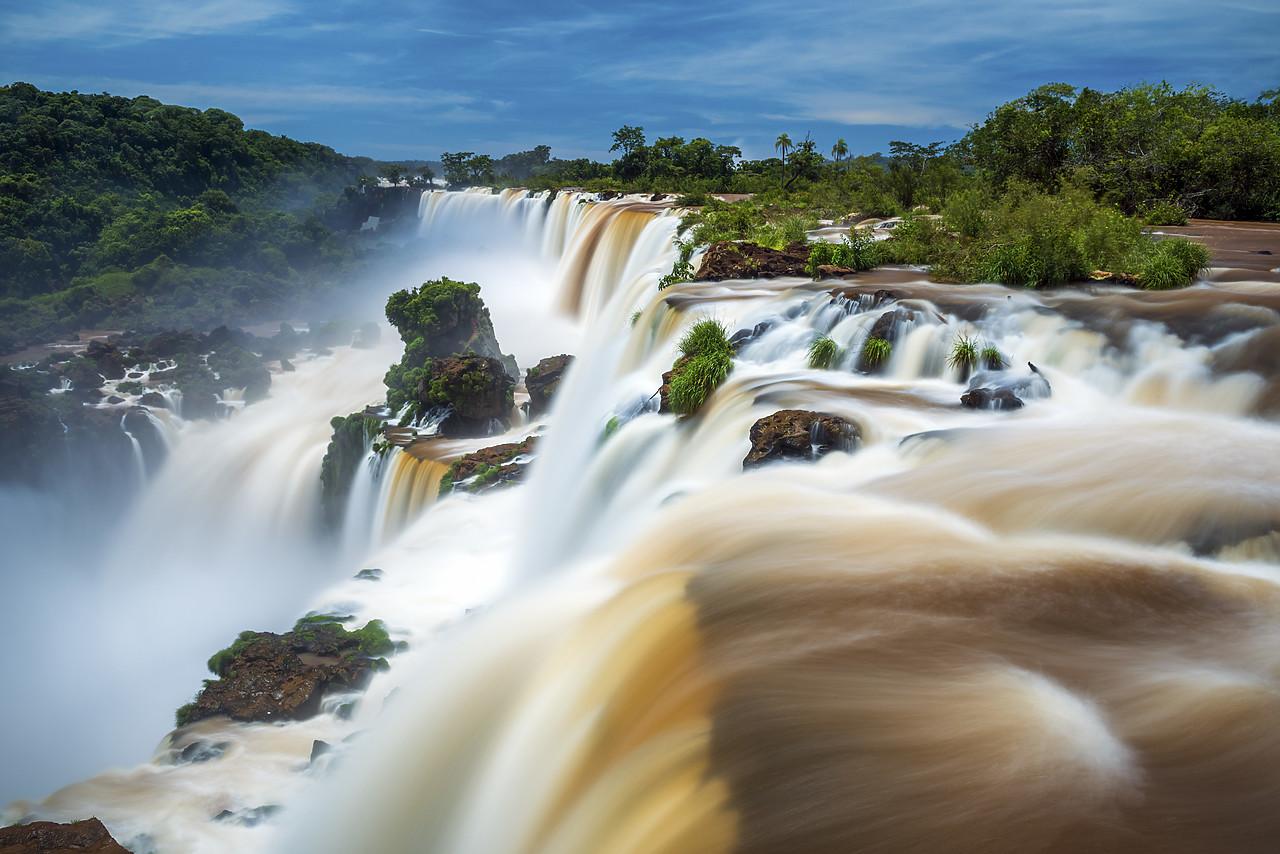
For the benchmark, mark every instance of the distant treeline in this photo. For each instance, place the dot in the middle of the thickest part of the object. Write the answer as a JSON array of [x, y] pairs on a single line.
[[1193, 150], [126, 211]]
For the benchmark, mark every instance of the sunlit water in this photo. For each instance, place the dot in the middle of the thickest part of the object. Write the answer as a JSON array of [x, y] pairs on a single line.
[[1052, 629]]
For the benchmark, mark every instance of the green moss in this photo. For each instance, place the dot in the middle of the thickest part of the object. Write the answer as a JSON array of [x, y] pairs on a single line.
[[353, 436], [220, 660], [183, 715]]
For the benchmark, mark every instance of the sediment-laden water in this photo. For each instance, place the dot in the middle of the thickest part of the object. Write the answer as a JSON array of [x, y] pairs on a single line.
[[1047, 629]]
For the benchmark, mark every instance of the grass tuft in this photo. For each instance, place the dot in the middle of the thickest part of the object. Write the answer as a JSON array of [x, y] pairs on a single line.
[[822, 352]]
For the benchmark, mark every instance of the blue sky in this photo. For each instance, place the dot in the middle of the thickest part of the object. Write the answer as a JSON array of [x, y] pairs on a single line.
[[400, 80]]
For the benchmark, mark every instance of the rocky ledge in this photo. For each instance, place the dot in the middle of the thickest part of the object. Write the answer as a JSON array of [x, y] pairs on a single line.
[[488, 467], [271, 677], [46, 837], [730, 260], [797, 434]]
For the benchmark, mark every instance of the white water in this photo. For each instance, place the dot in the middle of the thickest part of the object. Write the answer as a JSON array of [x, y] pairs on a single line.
[[536, 722]]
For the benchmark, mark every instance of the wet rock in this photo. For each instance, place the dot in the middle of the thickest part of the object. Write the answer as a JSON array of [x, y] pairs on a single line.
[[369, 575], [248, 817], [996, 390], [731, 260], [831, 271], [270, 677], [543, 380], [108, 358], [664, 391], [488, 467], [797, 434], [201, 751], [114, 399], [199, 404], [744, 336], [477, 388], [84, 375], [319, 748], [153, 400], [166, 345], [87, 836]]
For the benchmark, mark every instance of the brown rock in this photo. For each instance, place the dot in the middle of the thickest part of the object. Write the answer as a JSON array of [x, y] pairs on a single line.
[[797, 434], [665, 390], [496, 465], [731, 260], [87, 836], [476, 387], [542, 381], [270, 677]]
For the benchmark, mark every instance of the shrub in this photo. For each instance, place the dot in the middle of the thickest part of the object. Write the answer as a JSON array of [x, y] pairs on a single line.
[[681, 271], [822, 352], [992, 359], [1163, 212], [183, 715], [1172, 263]]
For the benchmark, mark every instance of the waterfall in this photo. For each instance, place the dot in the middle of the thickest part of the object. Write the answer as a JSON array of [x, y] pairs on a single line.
[[1047, 629]]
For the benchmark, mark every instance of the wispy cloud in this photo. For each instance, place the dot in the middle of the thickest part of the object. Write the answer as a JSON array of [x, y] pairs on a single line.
[[138, 20]]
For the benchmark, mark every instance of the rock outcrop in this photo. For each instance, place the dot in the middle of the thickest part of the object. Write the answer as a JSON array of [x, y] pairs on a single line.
[[543, 380], [87, 836], [270, 677], [730, 260], [477, 387], [798, 434]]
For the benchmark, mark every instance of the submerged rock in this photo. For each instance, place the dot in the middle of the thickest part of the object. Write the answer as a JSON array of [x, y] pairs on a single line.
[[543, 380], [730, 260], [798, 434], [87, 836], [995, 390]]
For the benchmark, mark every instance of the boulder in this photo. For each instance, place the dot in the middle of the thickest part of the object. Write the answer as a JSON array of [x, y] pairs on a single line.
[[153, 400], [108, 358], [797, 434], [732, 260], [542, 381], [87, 836]]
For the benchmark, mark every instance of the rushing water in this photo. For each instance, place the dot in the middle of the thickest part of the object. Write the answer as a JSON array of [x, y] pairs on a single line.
[[1053, 629]]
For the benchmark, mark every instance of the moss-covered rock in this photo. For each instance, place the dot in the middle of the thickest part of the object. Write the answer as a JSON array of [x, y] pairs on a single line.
[[264, 676], [543, 380], [352, 436], [488, 467]]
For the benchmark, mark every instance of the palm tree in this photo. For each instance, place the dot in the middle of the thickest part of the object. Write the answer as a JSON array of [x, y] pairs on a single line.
[[839, 150], [783, 145]]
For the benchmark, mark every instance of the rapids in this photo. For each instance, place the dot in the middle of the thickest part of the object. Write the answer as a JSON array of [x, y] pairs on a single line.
[[1053, 629]]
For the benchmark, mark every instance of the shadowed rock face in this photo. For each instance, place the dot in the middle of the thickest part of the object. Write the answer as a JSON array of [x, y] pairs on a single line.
[[88, 836], [729, 260], [797, 434], [477, 388], [542, 381]]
